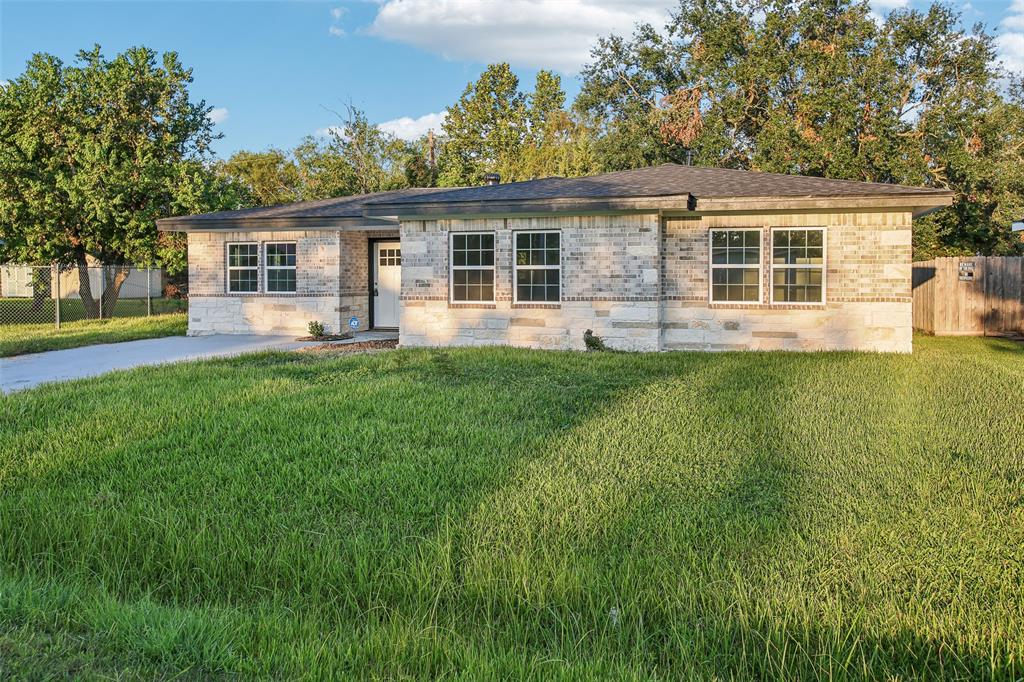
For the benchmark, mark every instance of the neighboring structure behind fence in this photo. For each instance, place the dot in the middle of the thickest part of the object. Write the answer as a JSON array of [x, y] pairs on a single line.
[[969, 296], [51, 294]]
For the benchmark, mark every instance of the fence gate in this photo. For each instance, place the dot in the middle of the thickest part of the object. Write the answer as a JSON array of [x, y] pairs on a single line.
[[970, 296]]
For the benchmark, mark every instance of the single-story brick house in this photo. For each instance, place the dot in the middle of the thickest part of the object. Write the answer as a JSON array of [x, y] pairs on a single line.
[[661, 258]]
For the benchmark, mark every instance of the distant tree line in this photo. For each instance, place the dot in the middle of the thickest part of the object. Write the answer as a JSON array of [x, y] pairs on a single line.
[[819, 89], [91, 154]]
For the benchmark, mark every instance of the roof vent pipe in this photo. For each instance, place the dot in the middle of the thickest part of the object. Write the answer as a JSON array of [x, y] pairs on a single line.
[[491, 179]]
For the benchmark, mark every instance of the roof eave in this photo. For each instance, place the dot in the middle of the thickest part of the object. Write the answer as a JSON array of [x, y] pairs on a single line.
[[522, 208], [918, 203], [284, 224]]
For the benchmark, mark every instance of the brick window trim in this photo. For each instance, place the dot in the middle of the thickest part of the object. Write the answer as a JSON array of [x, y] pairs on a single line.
[[472, 306], [542, 306]]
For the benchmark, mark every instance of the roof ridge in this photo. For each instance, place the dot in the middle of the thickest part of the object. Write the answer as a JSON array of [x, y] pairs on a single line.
[[791, 176]]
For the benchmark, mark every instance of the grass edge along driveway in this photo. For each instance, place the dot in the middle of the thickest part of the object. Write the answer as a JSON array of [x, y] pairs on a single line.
[[38, 338], [503, 513]]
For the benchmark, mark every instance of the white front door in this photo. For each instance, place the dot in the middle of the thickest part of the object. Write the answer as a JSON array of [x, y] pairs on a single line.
[[387, 283]]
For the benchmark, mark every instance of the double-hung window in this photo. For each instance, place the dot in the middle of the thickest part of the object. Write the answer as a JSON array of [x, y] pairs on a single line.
[[798, 265], [472, 267], [736, 265], [538, 269], [243, 268], [279, 263]]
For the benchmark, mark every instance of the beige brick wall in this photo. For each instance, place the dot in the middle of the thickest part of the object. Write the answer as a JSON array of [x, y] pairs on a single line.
[[645, 287], [868, 287], [610, 273], [638, 281], [331, 284]]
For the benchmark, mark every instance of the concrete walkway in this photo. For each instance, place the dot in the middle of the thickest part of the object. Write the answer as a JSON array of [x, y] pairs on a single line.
[[27, 371]]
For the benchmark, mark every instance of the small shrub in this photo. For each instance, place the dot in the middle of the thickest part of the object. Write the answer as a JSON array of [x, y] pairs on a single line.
[[593, 342], [175, 291], [316, 328]]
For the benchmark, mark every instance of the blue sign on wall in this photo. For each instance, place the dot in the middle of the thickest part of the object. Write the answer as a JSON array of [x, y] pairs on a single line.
[[353, 322]]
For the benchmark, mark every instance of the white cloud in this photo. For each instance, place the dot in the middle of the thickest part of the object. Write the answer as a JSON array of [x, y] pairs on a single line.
[[218, 115], [329, 131], [1010, 50], [335, 29], [880, 8], [1014, 19], [407, 128], [888, 5], [530, 33], [1010, 45]]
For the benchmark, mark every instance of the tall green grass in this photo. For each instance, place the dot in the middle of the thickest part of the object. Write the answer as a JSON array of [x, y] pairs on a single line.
[[500, 513]]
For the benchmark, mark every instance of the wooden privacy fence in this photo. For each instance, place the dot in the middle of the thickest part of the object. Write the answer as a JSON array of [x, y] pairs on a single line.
[[970, 296]]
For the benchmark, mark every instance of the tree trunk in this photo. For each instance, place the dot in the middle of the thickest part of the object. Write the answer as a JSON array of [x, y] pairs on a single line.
[[113, 277], [91, 305]]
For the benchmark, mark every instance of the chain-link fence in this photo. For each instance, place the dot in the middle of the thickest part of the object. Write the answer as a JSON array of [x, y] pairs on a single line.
[[52, 294]]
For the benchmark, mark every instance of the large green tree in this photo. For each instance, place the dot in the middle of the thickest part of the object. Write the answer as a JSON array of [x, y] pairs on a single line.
[[356, 157], [265, 178], [484, 129], [496, 128], [91, 154], [822, 89]]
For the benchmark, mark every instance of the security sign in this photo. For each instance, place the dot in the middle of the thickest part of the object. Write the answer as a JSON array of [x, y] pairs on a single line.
[[353, 322]]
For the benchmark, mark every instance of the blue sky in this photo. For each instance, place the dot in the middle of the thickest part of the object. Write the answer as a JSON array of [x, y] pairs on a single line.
[[273, 69]]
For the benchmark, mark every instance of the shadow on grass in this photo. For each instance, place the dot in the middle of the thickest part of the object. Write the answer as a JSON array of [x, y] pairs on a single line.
[[696, 548], [504, 512]]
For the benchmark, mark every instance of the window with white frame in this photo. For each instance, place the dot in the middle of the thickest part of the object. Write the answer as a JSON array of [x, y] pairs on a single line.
[[472, 267], [736, 265], [798, 265], [243, 268], [538, 267], [279, 263]]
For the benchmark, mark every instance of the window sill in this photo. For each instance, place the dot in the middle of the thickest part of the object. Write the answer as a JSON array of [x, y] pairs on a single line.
[[469, 305], [737, 305], [268, 294], [553, 306], [768, 306]]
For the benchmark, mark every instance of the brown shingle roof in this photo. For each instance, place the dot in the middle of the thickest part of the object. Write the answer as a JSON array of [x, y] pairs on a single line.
[[669, 186], [666, 180], [336, 207]]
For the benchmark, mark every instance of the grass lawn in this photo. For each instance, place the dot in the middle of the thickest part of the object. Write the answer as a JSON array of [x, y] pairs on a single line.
[[25, 311], [18, 339], [502, 513]]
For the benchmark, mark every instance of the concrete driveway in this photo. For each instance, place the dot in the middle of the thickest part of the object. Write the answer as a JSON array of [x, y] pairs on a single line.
[[27, 371]]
